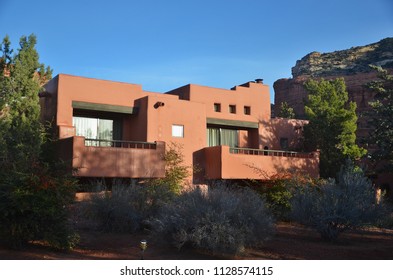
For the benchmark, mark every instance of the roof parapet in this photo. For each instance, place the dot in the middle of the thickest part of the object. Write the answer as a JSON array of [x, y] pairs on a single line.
[[256, 81]]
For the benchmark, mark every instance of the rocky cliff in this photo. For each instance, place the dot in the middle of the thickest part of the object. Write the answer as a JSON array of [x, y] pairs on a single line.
[[351, 64], [345, 62]]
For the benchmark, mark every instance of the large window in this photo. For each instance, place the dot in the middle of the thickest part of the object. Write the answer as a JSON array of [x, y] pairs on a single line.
[[95, 129], [222, 137]]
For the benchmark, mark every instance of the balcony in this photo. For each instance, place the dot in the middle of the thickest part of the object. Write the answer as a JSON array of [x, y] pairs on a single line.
[[110, 159], [223, 162]]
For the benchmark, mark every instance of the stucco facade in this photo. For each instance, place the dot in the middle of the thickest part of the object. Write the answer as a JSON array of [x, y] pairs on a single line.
[[114, 129]]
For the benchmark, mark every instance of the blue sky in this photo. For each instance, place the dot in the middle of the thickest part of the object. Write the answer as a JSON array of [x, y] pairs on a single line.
[[166, 44]]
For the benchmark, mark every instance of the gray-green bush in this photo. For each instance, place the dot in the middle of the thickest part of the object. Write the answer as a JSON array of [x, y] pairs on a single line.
[[335, 207], [218, 220], [127, 206]]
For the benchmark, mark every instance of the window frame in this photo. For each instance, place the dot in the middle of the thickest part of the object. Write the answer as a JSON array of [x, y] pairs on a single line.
[[232, 108], [174, 131], [247, 110], [217, 107]]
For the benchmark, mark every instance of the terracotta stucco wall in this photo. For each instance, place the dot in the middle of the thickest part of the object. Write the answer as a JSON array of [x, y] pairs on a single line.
[[271, 131], [73, 88], [223, 164], [190, 115], [117, 162], [254, 95]]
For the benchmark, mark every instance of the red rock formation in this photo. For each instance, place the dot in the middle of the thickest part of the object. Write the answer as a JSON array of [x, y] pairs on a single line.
[[353, 66], [293, 92]]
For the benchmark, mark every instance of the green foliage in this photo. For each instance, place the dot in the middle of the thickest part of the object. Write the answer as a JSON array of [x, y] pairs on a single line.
[[176, 172], [286, 111], [335, 207], [332, 126], [381, 114], [219, 220], [22, 132], [34, 206], [34, 194], [278, 192]]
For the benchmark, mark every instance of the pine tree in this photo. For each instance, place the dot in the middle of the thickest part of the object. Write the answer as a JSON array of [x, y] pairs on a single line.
[[286, 111], [33, 192], [22, 131], [332, 126], [381, 115]]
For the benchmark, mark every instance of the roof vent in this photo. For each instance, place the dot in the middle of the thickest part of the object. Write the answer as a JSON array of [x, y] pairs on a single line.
[[259, 81]]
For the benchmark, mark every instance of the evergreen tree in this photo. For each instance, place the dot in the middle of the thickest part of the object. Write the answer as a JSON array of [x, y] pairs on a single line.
[[286, 111], [381, 116], [22, 131], [332, 126], [33, 193]]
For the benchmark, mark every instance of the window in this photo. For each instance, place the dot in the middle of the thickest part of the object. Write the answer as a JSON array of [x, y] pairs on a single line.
[[177, 130], [221, 136], [247, 110], [217, 107], [284, 143], [232, 109], [94, 129]]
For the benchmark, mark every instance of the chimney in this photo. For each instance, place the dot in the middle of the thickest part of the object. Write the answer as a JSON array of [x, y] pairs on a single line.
[[259, 81]]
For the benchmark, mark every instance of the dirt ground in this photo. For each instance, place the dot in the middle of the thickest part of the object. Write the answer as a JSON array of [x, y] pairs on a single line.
[[290, 242]]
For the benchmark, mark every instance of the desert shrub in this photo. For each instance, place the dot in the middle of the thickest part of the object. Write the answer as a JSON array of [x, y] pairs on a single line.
[[278, 200], [218, 220], [126, 207], [34, 206], [386, 221], [176, 172], [278, 192], [335, 207]]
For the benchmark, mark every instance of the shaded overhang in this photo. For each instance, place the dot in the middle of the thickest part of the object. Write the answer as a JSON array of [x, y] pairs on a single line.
[[104, 107], [233, 123]]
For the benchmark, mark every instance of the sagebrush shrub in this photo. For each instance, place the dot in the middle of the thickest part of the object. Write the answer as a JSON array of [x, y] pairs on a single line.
[[335, 207], [126, 207], [218, 220]]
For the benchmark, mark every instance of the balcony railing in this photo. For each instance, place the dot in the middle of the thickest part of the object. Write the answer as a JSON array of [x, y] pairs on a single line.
[[276, 153], [120, 144]]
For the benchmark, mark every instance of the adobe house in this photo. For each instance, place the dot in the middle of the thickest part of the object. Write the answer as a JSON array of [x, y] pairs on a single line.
[[113, 129]]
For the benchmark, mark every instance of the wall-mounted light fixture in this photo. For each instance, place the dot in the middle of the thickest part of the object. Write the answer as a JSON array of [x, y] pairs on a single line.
[[159, 104]]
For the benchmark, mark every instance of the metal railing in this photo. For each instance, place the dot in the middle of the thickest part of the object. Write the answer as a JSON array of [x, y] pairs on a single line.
[[275, 153], [120, 144]]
